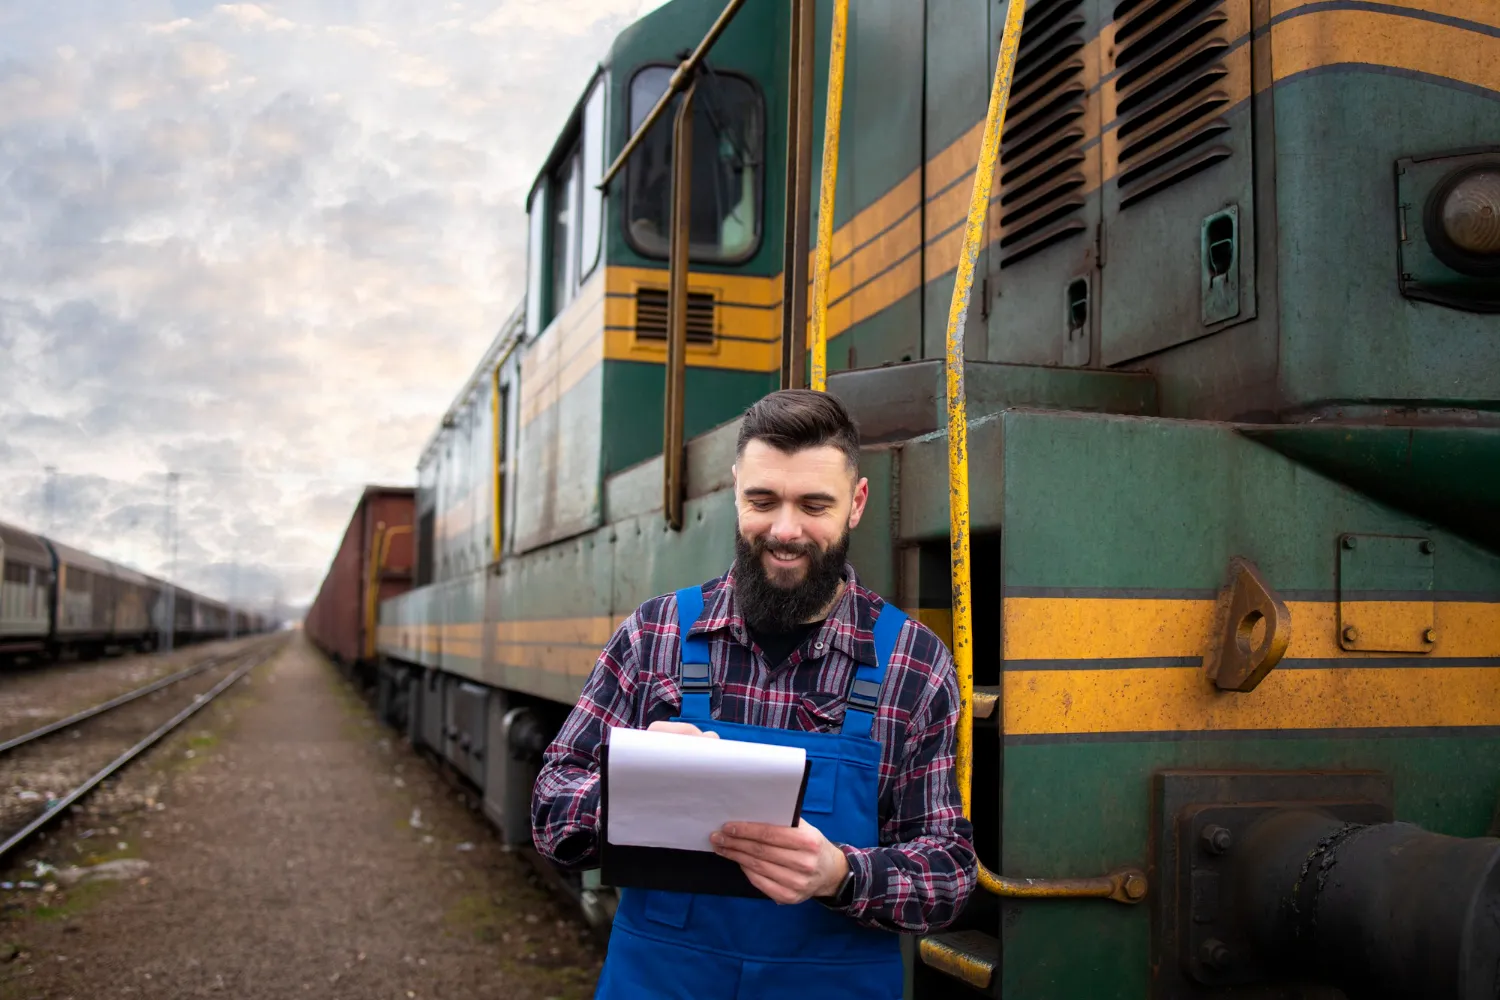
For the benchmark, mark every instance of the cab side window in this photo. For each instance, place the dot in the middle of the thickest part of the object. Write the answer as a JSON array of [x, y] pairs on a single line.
[[728, 161], [566, 210]]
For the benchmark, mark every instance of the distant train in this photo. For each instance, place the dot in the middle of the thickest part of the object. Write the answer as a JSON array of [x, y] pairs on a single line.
[[374, 563], [57, 601]]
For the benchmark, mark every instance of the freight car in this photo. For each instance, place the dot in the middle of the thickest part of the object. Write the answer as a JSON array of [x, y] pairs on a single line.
[[58, 601], [373, 563], [1227, 363]]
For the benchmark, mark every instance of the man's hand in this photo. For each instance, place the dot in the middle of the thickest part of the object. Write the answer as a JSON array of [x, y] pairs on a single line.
[[681, 728], [790, 864]]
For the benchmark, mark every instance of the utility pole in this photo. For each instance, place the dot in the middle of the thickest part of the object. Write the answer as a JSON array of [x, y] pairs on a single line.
[[169, 542], [50, 493], [234, 581]]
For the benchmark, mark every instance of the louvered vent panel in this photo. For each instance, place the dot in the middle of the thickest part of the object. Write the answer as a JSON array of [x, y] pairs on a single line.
[[651, 315], [1042, 182], [1170, 92]]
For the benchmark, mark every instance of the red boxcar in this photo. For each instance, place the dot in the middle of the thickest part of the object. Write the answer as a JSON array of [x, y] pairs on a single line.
[[373, 562]]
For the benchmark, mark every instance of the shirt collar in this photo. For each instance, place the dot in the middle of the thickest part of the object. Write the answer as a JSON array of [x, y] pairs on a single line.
[[849, 627]]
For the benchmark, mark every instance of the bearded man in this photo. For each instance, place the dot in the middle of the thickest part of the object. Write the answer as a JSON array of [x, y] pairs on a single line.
[[786, 648]]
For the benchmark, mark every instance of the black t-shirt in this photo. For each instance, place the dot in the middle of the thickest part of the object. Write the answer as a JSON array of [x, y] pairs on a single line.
[[779, 645]]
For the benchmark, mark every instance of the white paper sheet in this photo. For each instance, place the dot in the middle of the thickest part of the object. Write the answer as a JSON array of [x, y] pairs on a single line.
[[671, 790]]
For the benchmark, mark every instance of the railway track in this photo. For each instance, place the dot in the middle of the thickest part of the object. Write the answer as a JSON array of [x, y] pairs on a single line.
[[144, 728]]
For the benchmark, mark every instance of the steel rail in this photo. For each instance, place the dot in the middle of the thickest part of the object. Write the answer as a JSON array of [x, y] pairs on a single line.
[[112, 704], [254, 659]]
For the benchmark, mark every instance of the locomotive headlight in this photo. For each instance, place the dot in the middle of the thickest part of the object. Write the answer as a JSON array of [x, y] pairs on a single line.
[[1463, 220]]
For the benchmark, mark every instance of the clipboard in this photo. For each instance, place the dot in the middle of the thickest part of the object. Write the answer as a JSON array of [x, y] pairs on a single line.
[[670, 869]]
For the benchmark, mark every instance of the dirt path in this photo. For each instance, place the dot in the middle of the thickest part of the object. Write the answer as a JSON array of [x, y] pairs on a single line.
[[283, 862]]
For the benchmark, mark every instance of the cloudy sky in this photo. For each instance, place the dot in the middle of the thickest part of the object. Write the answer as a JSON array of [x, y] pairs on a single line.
[[259, 245]]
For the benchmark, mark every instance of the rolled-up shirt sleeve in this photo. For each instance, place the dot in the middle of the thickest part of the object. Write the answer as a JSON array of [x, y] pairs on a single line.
[[923, 873], [565, 800]]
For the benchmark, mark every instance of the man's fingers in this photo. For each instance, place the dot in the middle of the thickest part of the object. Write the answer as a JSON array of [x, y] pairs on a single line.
[[778, 892], [786, 880], [681, 728], [792, 837], [794, 860]]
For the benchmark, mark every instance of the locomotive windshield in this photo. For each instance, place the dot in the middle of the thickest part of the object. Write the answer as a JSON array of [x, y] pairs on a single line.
[[728, 150]]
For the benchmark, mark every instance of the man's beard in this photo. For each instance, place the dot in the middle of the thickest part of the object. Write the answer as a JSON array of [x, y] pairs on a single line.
[[769, 606]]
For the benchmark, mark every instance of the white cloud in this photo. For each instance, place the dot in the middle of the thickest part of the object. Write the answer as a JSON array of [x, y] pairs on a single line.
[[259, 253], [253, 15]]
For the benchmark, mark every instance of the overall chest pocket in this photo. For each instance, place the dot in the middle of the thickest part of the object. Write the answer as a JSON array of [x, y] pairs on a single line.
[[822, 785]]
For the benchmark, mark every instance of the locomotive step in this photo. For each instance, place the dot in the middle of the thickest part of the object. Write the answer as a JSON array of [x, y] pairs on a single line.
[[969, 956]]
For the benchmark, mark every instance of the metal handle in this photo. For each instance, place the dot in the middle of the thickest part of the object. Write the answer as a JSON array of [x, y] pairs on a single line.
[[1125, 885]]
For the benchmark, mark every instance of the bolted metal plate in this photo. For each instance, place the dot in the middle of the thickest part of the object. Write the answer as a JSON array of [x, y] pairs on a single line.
[[1199, 948], [1385, 594]]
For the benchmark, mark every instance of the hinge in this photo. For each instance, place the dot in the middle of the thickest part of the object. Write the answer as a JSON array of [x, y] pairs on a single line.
[[984, 298], [1099, 245]]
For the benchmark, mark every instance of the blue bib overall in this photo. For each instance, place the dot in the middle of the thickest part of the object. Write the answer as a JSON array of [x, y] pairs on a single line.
[[682, 945]]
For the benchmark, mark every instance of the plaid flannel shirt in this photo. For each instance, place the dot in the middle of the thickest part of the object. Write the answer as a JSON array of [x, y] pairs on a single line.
[[924, 869]]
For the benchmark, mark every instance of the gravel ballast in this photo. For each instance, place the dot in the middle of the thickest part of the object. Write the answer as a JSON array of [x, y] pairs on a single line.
[[285, 845]]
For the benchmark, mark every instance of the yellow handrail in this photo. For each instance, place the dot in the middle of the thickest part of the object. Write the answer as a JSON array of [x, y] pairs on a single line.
[[496, 419], [822, 263], [1126, 885], [380, 547]]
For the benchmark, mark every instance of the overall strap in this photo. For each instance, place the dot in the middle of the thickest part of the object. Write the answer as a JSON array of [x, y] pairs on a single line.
[[696, 686], [864, 693]]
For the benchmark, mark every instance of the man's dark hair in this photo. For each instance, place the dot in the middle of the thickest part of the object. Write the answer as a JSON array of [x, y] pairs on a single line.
[[793, 420]]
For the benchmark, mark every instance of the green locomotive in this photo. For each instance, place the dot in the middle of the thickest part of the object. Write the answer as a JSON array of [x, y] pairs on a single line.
[[1233, 445]]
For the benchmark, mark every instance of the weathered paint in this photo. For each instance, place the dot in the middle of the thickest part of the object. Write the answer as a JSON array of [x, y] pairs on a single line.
[[823, 252]]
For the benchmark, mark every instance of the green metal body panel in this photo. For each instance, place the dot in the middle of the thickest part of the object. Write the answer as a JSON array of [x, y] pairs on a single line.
[[957, 93], [1100, 502], [902, 401], [559, 457], [633, 392], [1448, 474], [1346, 331]]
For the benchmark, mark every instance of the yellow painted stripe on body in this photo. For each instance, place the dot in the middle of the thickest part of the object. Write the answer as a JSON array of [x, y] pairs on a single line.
[[1048, 628], [1036, 702], [1485, 12], [1341, 37], [1062, 700], [568, 631]]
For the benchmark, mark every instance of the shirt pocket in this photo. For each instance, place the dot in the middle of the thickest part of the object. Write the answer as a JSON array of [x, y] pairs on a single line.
[[820, 713]]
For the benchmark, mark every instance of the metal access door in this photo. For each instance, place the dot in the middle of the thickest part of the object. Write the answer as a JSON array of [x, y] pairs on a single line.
[[1178, 229], [1044, 212]]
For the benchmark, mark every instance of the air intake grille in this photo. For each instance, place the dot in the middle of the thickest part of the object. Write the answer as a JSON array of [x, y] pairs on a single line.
[[1170, 92], [1042, 186], [651, 315]]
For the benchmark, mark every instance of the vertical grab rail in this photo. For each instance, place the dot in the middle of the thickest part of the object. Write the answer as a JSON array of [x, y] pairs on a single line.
[[1126, 885], [381, 547], [682, 211], [798, 191], [818, 372]]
